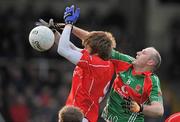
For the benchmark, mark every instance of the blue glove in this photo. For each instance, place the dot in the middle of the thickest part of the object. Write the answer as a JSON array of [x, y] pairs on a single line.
[[71, 15]]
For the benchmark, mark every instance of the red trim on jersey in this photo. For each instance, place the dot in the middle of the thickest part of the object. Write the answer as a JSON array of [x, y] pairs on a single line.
[[147, 84], [147, 87], [125, 90], [120, 65]]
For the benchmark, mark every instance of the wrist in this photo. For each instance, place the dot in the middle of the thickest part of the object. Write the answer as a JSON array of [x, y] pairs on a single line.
[[69, 22], [141, 108], [69, 26]]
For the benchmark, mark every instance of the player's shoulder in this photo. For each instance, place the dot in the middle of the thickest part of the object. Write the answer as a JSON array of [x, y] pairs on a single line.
[[121, 56], [155, 78], [84, 51], [95, 59]]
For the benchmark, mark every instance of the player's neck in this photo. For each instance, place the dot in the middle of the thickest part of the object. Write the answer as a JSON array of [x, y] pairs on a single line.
[[141, 69]]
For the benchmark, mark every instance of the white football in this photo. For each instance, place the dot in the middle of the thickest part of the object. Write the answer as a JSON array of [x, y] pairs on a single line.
[[41, 38]]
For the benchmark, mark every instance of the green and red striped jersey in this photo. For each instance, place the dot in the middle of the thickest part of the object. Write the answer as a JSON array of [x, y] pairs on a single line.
[[143, 87]]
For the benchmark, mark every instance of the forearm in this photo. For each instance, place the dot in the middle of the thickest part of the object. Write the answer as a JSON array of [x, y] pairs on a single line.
[[154, 110], [65, 49], [57, 37], [80, 33], [75, 48]]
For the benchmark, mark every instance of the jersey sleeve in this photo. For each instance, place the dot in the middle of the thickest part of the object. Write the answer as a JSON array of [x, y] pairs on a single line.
[[156, 94], [120, 56], [85, 59]]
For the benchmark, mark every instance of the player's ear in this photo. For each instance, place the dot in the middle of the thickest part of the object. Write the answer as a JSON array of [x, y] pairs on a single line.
[[151, 62]]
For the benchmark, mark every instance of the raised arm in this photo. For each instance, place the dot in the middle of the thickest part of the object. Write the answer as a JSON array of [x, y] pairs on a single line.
[[80, 33], [57, 38], [65, 46]]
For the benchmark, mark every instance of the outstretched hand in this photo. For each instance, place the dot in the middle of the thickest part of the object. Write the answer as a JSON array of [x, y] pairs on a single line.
[[71, 15], [51, 24]]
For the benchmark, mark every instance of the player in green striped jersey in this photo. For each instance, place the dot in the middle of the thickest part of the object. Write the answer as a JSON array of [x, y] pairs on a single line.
[[136, 90]]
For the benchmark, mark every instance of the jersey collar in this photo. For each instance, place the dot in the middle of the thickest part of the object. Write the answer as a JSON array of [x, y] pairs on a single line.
[[146, 73]]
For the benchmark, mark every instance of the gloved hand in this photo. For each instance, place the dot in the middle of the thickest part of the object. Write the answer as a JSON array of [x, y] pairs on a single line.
[[132, 105], [71, 15], [52, 25], [59, 26]]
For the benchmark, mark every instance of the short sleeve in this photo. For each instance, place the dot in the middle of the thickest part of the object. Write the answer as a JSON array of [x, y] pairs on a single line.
[[156, 93], [120, 56]]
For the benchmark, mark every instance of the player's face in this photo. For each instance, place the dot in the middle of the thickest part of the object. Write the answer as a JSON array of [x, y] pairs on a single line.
[[143, 57]]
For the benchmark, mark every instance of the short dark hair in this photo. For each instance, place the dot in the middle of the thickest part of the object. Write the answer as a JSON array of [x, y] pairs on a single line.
[[157, 58], [70, 114], [100, 42]]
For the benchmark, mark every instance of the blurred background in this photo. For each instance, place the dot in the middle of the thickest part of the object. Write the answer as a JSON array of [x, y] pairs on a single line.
[[35, 85]]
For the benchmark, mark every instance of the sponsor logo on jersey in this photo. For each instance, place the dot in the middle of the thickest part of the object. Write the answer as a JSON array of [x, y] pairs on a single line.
[[138, 87]]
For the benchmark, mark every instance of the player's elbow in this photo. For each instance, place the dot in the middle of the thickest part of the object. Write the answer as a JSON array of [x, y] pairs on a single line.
[[158, 109], [161, 112], [61, 51], [155, 110]]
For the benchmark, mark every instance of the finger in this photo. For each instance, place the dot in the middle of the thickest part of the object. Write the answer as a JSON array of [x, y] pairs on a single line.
[[43, 22], [134, 103], [72, 7], [38, 23], [127, 100], [126, 107], [132, 106], [61, 24], [67, 8], [51, 22], [77, 12], [132, 110]]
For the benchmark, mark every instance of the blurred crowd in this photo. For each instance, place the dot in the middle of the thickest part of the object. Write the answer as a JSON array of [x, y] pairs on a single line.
[[35, 85]]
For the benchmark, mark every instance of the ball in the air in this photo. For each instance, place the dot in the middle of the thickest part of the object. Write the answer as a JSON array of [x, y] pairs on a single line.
[[41, 38]]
